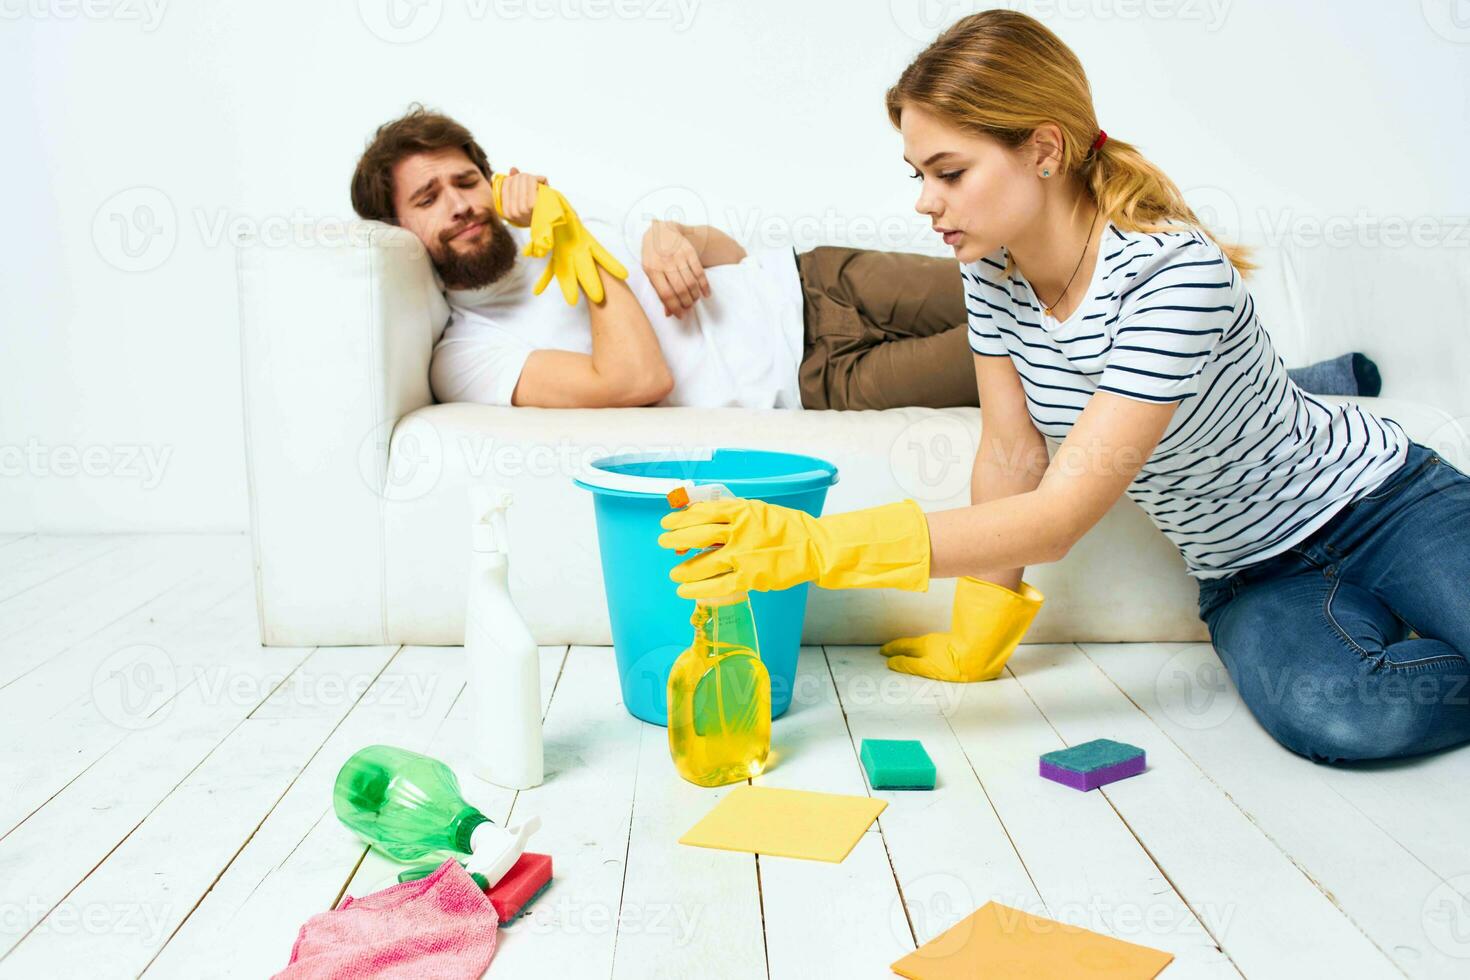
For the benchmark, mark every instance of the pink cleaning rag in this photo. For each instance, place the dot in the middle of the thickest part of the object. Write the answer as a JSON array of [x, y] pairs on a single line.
[[437, 928]]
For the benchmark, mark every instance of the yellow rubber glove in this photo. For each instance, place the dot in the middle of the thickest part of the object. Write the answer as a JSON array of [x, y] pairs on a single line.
[[497, 181], [575, 254], [766, 547], [989, 621]]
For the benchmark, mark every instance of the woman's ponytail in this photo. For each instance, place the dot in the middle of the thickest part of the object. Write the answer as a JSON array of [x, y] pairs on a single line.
[[1138, 196]]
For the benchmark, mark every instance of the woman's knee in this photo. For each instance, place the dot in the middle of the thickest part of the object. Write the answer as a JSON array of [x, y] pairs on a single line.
[[1371, 716], [1338, 740]]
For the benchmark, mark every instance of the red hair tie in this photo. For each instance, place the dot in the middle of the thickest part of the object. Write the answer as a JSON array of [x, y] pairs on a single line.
[[1102, 137]]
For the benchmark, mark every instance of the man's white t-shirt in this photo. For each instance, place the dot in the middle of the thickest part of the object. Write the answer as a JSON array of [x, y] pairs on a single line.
[[738, 347]]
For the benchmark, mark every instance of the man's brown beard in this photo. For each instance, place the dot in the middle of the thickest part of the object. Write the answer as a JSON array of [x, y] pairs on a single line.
[[462, 269]]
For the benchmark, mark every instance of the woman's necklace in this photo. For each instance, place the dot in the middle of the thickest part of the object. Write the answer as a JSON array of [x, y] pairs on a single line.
[[1047, 307]]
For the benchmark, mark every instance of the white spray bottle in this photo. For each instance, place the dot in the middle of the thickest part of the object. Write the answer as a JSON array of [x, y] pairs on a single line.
[[504, 667]]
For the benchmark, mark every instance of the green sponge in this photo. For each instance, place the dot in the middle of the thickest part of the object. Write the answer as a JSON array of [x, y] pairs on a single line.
[[897, 764]]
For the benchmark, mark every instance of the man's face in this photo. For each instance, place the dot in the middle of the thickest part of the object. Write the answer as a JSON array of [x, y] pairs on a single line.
[[443, 199]]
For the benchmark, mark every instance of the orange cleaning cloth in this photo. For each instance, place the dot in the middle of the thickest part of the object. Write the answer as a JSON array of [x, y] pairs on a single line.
[[999, 941]]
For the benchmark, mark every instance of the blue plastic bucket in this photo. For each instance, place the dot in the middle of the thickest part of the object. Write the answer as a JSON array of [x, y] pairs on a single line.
[[650, 623]]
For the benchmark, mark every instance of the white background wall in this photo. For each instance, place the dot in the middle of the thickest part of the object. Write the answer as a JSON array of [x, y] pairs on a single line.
[[139, 134]]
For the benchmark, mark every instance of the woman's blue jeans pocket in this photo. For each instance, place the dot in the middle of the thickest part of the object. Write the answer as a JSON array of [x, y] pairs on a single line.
[[1215, 594], [1419, 459]]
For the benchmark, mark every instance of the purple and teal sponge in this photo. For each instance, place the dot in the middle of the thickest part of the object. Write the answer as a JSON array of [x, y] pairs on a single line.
[[897, 764], [1092, 764]]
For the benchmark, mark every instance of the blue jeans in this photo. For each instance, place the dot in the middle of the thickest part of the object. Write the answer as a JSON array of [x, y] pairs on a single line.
[[1317, 638]]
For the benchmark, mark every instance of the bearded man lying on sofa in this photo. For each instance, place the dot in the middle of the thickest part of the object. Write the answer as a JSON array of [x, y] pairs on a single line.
[[696, 320]]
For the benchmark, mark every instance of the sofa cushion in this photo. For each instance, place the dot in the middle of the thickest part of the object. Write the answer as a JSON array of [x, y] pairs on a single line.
[[1123, 582]]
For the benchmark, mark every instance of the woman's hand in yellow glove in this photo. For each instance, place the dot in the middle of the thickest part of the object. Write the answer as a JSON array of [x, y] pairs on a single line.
[[765, 547], [988, 623]]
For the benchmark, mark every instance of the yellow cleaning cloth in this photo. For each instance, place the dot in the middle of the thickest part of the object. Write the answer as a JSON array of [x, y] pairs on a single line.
[[999, 941], [786, 823]]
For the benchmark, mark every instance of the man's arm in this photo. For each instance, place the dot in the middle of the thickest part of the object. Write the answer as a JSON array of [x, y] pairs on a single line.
[[626, 366], [675, 257], [713, 246]]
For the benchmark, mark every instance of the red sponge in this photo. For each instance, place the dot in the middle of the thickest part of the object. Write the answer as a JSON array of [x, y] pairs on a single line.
[[525, 880]]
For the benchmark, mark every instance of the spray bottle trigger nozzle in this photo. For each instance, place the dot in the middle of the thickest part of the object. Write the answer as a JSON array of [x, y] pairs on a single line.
[[488, 524], [688, 492]]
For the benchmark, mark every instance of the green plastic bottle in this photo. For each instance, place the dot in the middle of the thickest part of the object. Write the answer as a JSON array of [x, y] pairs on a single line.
[[404, 804], [409, 806], [422, 871]]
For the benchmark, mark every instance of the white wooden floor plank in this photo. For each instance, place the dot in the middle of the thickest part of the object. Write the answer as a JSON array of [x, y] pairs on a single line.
[[1421, 803], [949, 847], [806, 927], [100, 665], [810, 747], [1307, 809], [296, 863], [167, 864], [1089, 868], [833, 920], [123, 606], [585, 806], [1082, 866], [98, 809], [992, 830], [110, 695], [685, 911], [105, 568], [1267, 916], [34, 559], [212, 816]]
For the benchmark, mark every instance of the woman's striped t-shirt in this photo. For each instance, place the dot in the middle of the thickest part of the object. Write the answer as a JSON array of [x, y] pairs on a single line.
[[1250, 464]]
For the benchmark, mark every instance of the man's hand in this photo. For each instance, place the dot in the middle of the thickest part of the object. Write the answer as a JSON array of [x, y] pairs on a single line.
[[673, 266], [517, 197]]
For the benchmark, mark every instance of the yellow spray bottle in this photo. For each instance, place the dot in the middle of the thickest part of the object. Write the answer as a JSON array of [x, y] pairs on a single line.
[[719, 690]]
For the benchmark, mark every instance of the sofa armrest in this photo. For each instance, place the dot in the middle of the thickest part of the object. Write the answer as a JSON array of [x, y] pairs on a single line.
[[335, 344]]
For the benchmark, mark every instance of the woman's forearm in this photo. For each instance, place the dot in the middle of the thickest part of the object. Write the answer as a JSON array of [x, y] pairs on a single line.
[[1091, 471], [1008, 533], [1005, 469]]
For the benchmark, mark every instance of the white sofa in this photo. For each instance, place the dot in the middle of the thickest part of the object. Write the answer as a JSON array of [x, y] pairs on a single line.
[[359, 481]]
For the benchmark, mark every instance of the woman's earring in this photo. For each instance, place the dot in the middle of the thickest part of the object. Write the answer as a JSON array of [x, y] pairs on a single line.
[[1046, 173]]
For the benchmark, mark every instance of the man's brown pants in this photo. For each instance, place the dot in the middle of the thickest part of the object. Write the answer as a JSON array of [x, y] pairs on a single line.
[[884, 330]]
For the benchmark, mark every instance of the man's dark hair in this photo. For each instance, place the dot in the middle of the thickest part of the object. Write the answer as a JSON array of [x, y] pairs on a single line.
[[417, 131]]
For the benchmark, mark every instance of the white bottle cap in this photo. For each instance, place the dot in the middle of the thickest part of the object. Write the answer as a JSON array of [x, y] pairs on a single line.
[[494, 849]]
